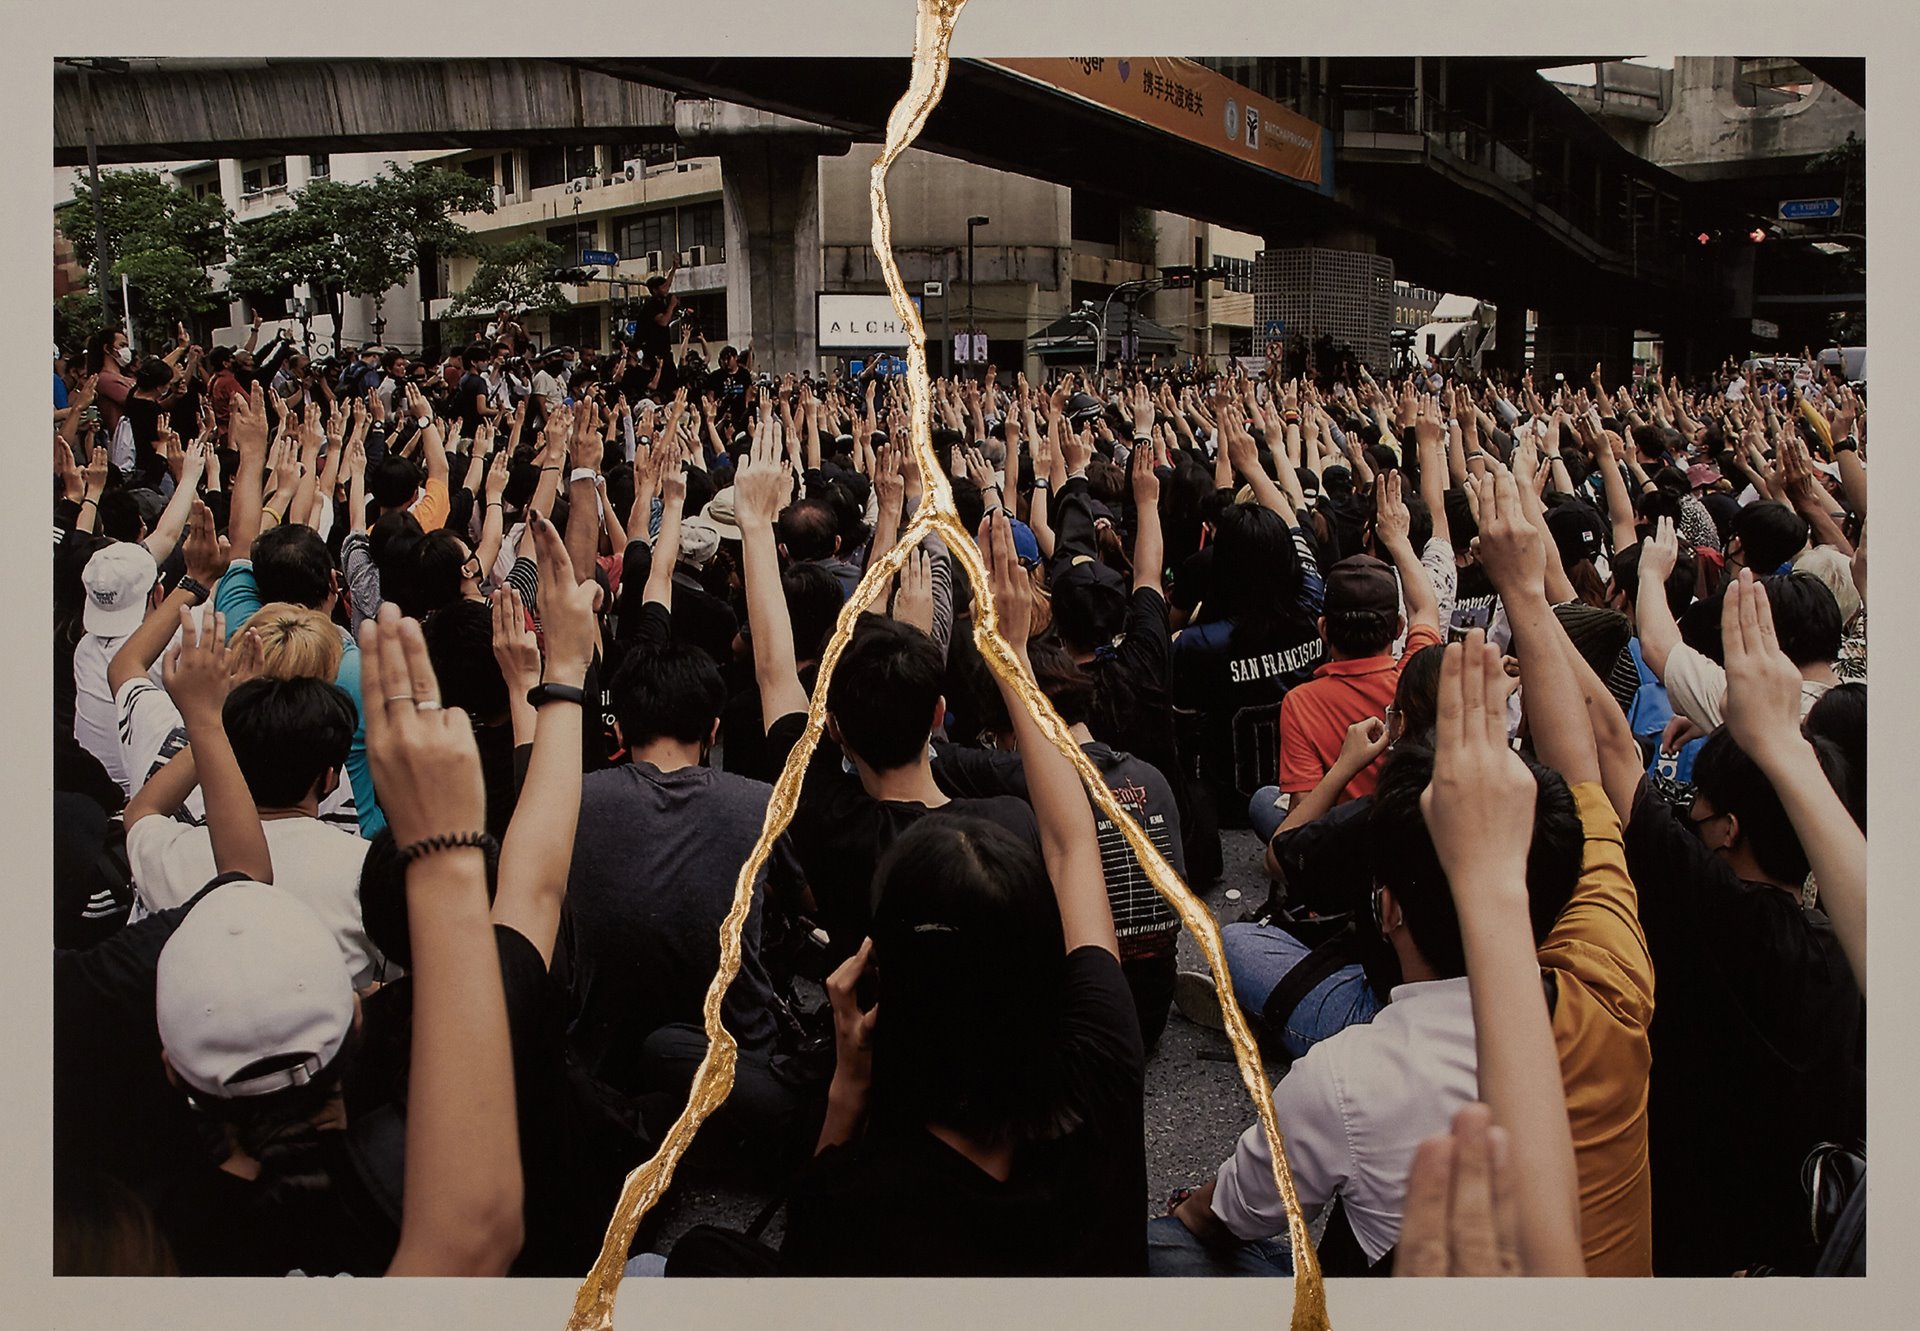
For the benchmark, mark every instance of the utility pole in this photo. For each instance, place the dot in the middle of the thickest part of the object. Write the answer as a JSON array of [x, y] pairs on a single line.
[[972, 222], [93, 180]]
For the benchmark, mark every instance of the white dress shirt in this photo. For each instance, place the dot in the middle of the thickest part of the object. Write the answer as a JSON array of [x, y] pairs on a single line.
[[1353, 1111]]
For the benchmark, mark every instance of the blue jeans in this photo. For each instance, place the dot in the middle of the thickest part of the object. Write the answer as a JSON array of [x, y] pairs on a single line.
[[1172, 1250], [1264, 818], [1259, 957]]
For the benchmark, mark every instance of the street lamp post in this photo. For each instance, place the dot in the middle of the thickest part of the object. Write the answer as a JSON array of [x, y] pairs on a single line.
[[972, 222], [105, 65]]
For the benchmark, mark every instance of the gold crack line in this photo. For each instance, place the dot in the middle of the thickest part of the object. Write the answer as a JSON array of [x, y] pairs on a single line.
[[713, 1079], [1309, 1307]]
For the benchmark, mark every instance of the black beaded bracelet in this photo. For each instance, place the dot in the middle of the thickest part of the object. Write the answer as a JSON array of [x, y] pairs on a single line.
[[480, 841]]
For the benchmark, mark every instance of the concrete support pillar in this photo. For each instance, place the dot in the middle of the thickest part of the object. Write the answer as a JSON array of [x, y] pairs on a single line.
[[770, 190], [1510, 337], [1562, 345]]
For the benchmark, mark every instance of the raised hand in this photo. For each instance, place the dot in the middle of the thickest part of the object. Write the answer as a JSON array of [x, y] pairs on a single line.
[[1510, 548], [1392, 520], [1659, 552], [514, 646], [1461, 1217], [913, 602], [195, 672], [1012, 591], [425, 761], [764, 478], [207, 552], [1146, 481]]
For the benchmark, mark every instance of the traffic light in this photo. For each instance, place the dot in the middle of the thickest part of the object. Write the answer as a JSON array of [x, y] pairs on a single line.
[[575, 276], [1177, 278]]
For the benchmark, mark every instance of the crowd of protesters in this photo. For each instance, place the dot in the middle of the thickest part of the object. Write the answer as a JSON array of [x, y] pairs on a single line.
[[414, 718]]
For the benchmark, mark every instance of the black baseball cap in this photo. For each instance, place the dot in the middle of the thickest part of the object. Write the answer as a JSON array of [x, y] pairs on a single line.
[[1361, 583]]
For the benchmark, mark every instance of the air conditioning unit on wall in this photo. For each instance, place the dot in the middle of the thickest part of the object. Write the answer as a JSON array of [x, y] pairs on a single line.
[[580, 184], [653, 261]]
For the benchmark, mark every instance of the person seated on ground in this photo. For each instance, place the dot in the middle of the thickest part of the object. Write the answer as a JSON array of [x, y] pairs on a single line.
[[1758, 1004], [1319, 860], [1651, 708], [1357, 1105], [883, 705], [1806, 616], [1260, 636], [288, 562], [809, 532], [1122, 642], [642, 947], [571, 1153], [258, 1025], [289, 737], [985, 1116], [1359, 622], [1146, 925]]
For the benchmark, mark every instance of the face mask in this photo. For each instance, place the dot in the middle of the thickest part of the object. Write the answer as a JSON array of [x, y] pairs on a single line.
[[124, 355]]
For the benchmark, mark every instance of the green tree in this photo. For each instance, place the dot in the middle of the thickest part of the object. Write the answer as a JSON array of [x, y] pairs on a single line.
[[77, 316], [514, 273], [161, 239], [311, 243], [357, 239]]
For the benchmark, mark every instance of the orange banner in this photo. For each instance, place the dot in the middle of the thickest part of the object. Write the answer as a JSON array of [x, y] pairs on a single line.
[[1187, 99]]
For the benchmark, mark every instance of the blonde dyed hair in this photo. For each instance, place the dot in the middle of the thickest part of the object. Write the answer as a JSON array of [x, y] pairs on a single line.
[[297, 642]]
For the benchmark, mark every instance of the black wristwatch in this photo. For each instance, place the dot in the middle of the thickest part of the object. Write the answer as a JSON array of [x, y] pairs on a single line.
[[541, 694], [1848, 445], [193, 588]]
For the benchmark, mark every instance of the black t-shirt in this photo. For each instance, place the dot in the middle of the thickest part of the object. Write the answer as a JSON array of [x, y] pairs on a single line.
[[652, 879], [560, 1222], [1224, 667], [113, 1108], [733, 390], [92, 885], [219, 1224], [143, 418], [840, 832], [902, 1202], [467, 401], [1142, 919], [652, 334], [1759, 1051]]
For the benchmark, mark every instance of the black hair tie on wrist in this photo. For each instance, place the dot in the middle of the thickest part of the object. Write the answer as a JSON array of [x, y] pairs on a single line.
[[480, 841]]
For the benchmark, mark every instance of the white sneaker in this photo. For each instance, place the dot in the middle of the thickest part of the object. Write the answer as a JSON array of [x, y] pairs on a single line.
[[1198, 1000]]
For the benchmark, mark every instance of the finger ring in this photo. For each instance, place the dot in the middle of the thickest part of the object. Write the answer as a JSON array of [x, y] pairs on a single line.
[[426, 705], [399, 697]]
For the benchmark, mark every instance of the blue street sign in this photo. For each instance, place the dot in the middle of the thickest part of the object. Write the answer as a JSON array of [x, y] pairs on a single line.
[[1800, 210], [1276, 329], [600, 258]]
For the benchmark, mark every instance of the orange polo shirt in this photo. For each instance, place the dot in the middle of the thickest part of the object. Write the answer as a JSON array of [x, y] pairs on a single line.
[[430, 509], [1315, 716], [1602, 984]]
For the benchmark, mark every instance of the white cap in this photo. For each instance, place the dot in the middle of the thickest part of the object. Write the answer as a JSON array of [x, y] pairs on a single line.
[[251, 974], [699, 540], [117, 580]]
